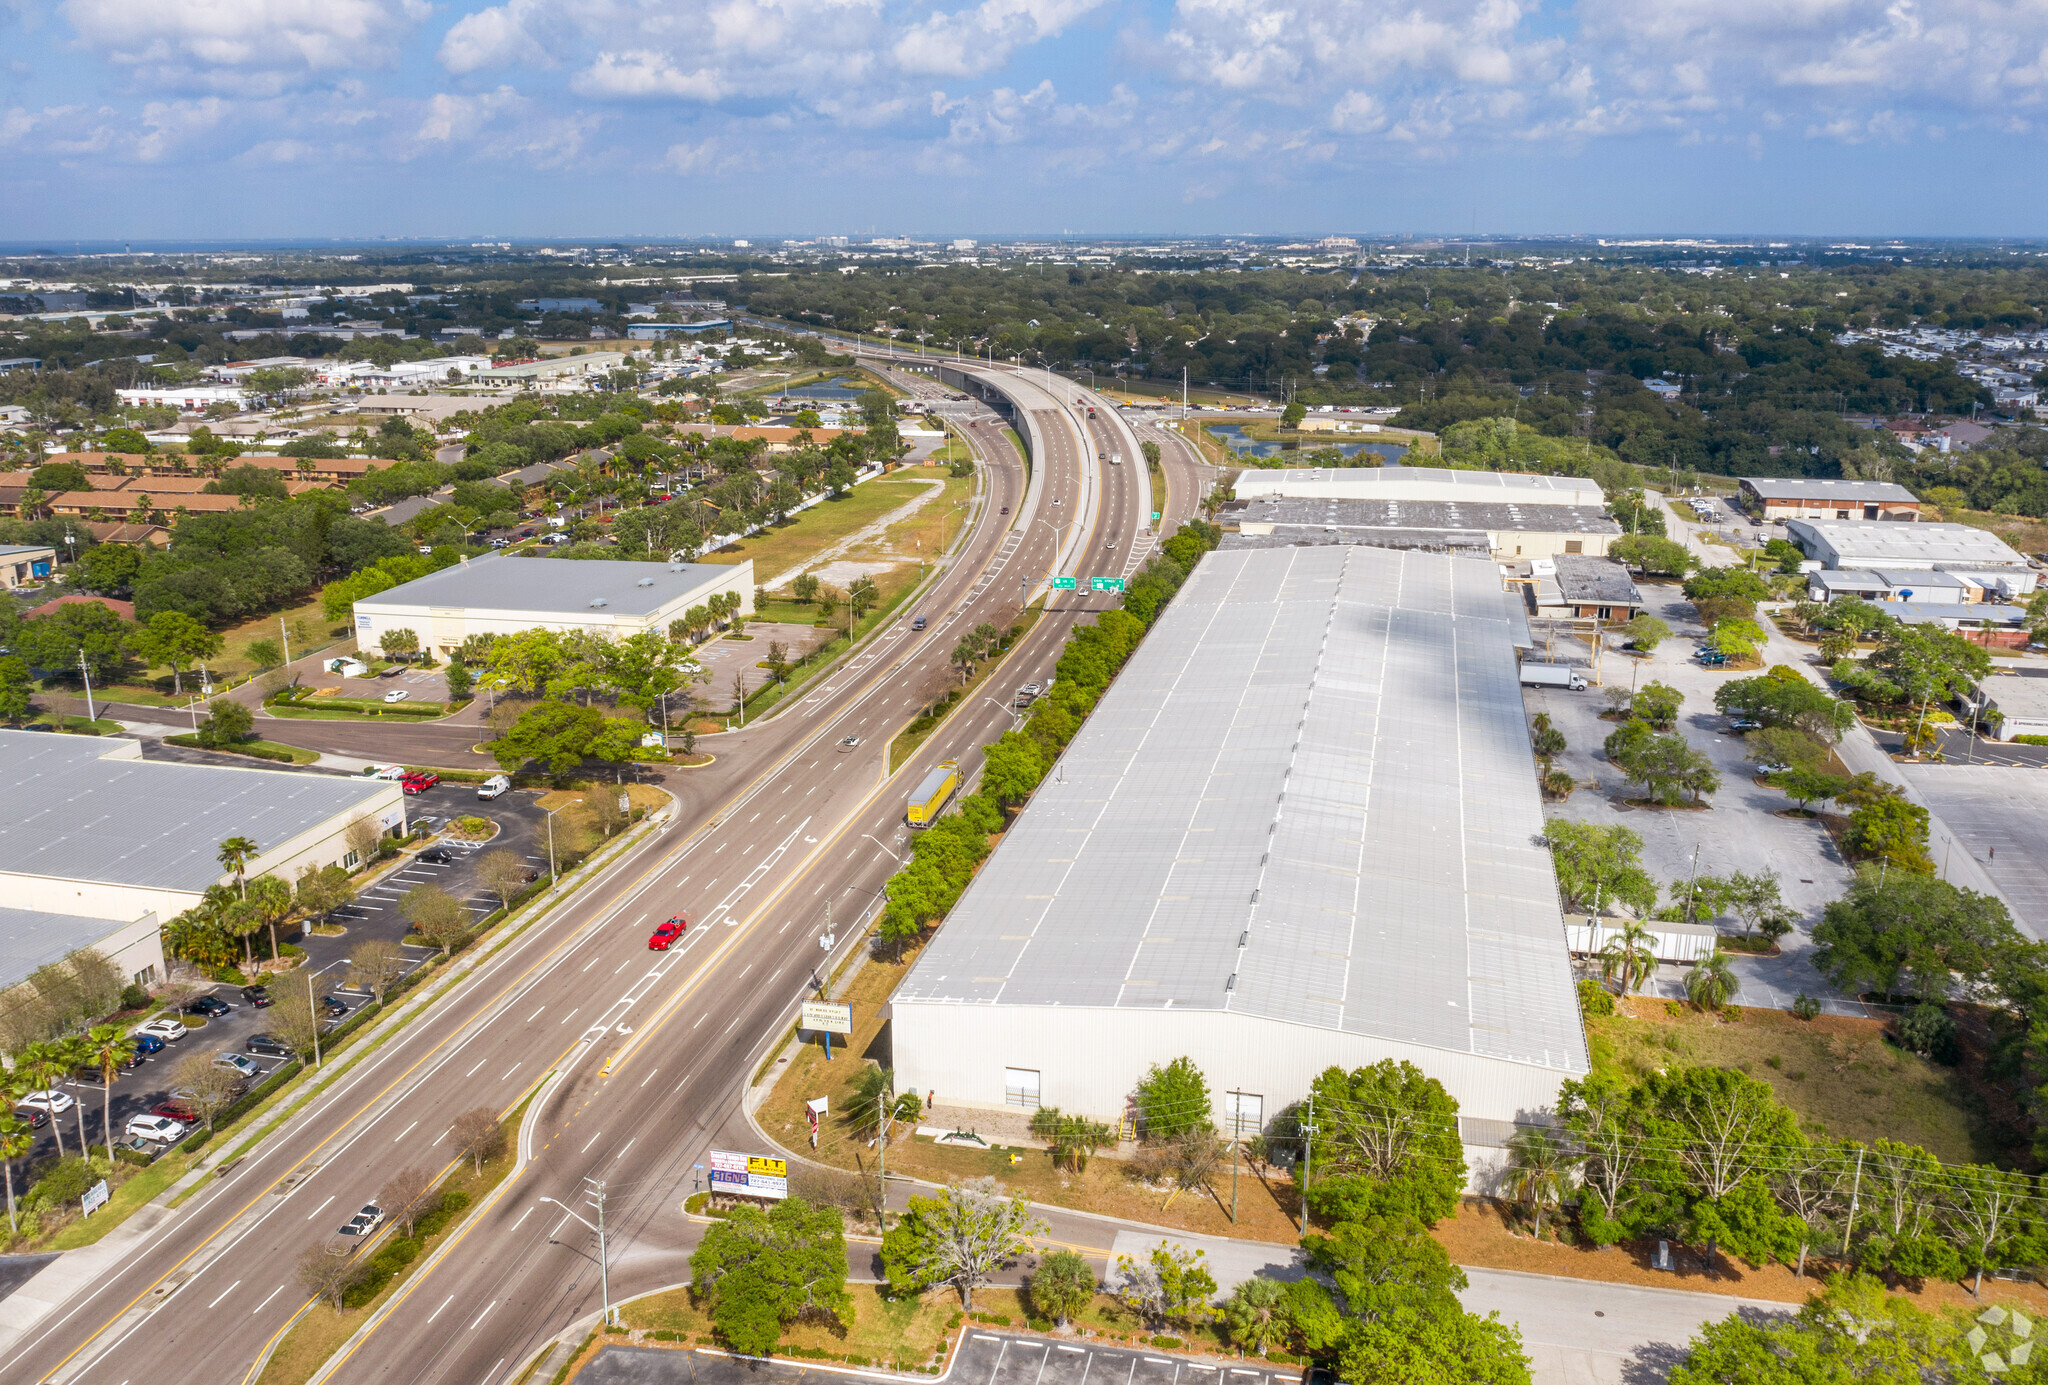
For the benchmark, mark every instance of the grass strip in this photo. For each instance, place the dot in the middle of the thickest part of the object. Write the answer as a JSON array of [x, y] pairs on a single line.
[[826, 657], [907, 741], [254, 749]]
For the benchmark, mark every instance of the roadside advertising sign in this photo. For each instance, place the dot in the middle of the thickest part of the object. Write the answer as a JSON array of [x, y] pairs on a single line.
[[749, 1175]]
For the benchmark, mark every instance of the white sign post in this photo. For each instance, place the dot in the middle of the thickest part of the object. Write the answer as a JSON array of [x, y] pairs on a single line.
[[95, 1197]]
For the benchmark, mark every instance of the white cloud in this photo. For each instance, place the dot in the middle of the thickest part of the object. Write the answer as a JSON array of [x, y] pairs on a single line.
[[968, 43], [168, 125], [247, 44]]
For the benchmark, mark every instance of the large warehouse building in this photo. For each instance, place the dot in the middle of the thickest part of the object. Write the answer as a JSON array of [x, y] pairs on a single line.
[[496, 595], [1301, 829], [1991, 564], [1435, 484], [99, 846]]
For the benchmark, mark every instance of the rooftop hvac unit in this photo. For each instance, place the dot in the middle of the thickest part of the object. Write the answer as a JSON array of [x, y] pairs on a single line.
[[599, 601], [644, 582]]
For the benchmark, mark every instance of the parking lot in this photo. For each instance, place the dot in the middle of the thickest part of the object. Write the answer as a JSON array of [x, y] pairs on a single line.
[[983, 1358], [1741, 831], [375, 914]]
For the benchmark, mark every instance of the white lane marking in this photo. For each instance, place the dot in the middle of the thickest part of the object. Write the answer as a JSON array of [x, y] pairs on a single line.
[[650, 1075], [318, 1210], [524, 1215], [535, 1015], [444, 1303], [566, 1018], [479, 1063], [624, 1147], [403, 1133], [623, 965], [589, 1142], [224, 1293], [266, 1302], [589, 964], [509, 1071], [481, 1316]]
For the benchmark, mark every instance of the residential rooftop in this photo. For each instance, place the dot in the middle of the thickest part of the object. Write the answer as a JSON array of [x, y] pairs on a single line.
[[1309, 797]]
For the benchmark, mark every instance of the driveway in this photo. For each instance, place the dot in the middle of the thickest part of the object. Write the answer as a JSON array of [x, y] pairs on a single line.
[[1743, 829]]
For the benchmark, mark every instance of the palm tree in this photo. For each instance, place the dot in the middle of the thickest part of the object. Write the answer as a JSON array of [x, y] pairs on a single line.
[[1539, 1170], [235, 853], [42, 1065], [110, 1048], [1712, 982], [16, 1140], [241, 919], [1629, 956], [270, 900]]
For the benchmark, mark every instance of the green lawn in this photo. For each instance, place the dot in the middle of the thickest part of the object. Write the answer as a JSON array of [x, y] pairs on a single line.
[[776, 550]]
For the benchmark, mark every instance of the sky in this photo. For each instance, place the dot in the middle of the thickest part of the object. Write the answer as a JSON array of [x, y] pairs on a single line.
[[219, 119]]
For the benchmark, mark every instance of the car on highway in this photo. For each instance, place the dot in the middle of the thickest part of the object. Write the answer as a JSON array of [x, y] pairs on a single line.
[[56, 1103], [437, 856], [847, 743], [164, 1028], [365, 1221], [146, 1044], [918, 623], [667, 933], [158, 1129], [334, 1005], [210, 1006], [31, 1117], [419, 783], [269, 1045], [237, 1063], [258, 996], [1006, 509], [397, 695]]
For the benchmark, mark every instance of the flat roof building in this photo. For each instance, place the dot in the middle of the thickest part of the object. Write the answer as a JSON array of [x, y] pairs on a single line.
[[501, 595], [1300, 829], [25, 562], [1483, 526], [1926, 547], [2014, 704], [1777, 497], [1420, 483], [93, 831]]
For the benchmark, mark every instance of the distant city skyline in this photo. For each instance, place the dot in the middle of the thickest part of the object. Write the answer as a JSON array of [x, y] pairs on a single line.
[[272, 119]]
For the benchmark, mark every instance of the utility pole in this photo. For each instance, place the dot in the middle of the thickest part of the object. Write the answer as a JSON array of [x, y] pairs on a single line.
[[314, 1011], [1308, 1136], [603, 1269], [1691, 880], [285, 636], [86, 674]]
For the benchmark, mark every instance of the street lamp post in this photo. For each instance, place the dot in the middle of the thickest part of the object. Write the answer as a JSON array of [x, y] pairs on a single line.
[[553, 872], [885, 850], [1016, 717], [603, 1269]]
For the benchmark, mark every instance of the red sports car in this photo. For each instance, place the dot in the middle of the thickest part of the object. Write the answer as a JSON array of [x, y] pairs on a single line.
[[668, 933]]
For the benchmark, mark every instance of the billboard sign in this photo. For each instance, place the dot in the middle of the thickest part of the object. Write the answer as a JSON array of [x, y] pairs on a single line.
[[749, 1175], [823, 1018]]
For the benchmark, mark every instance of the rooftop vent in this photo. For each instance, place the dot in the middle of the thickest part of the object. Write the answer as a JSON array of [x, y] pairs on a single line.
[[644, 582], [599, 601]]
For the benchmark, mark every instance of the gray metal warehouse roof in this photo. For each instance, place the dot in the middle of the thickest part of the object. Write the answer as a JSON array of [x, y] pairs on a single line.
[[73, 813], [30, 938], [563, 585], [1486, 513], [1309, 797], [1844, 492]]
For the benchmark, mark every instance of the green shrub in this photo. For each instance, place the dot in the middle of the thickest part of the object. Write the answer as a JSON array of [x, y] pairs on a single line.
[[1168, 1343], [449, 1208], [1594, 998], [1805, 1006], [65, 1182], [134, 998]]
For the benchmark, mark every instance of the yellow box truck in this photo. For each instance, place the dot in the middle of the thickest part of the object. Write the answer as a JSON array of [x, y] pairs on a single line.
[[931, 795]]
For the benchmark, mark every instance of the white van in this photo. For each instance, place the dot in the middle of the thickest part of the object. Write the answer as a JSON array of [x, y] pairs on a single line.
[[385, 772], [493, 786]]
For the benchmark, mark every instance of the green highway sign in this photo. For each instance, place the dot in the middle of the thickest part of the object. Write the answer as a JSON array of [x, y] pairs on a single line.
[[1155, 516], [1062, 584], [1106, 584]]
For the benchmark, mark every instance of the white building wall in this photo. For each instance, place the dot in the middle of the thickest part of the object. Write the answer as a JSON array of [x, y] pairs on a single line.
[[444, 628], [1089, 1060]]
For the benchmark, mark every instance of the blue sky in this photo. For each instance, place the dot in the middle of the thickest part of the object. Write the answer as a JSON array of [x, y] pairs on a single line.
[[352, 118]]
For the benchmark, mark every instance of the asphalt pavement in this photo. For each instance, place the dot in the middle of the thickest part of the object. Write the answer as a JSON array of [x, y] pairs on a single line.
[[649, 1051]]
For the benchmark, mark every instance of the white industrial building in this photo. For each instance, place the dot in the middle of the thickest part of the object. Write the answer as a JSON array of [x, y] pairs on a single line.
[[115, 844], [1300, 830], [2014, 704], [1878, 546], [499, 595], [1420, 483]]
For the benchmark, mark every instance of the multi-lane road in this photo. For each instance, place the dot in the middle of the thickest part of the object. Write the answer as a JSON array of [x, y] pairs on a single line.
[[634, 1059]]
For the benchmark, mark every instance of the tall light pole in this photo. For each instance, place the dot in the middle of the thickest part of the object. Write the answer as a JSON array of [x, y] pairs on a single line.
[[553, 872], [86, 674], [603, 1269]]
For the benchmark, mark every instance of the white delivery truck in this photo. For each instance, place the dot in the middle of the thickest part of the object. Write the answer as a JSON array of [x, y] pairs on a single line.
[[1553, 676]]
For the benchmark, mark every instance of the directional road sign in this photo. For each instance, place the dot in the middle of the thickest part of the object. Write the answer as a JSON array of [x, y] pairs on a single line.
[[1062, 584], [1106, 584]]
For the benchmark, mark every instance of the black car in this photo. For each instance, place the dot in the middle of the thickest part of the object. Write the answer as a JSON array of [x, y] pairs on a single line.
[[438, 856], [269, 1045], [209, 1006], [258, 996], [31, 1116], [334, 1005]]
